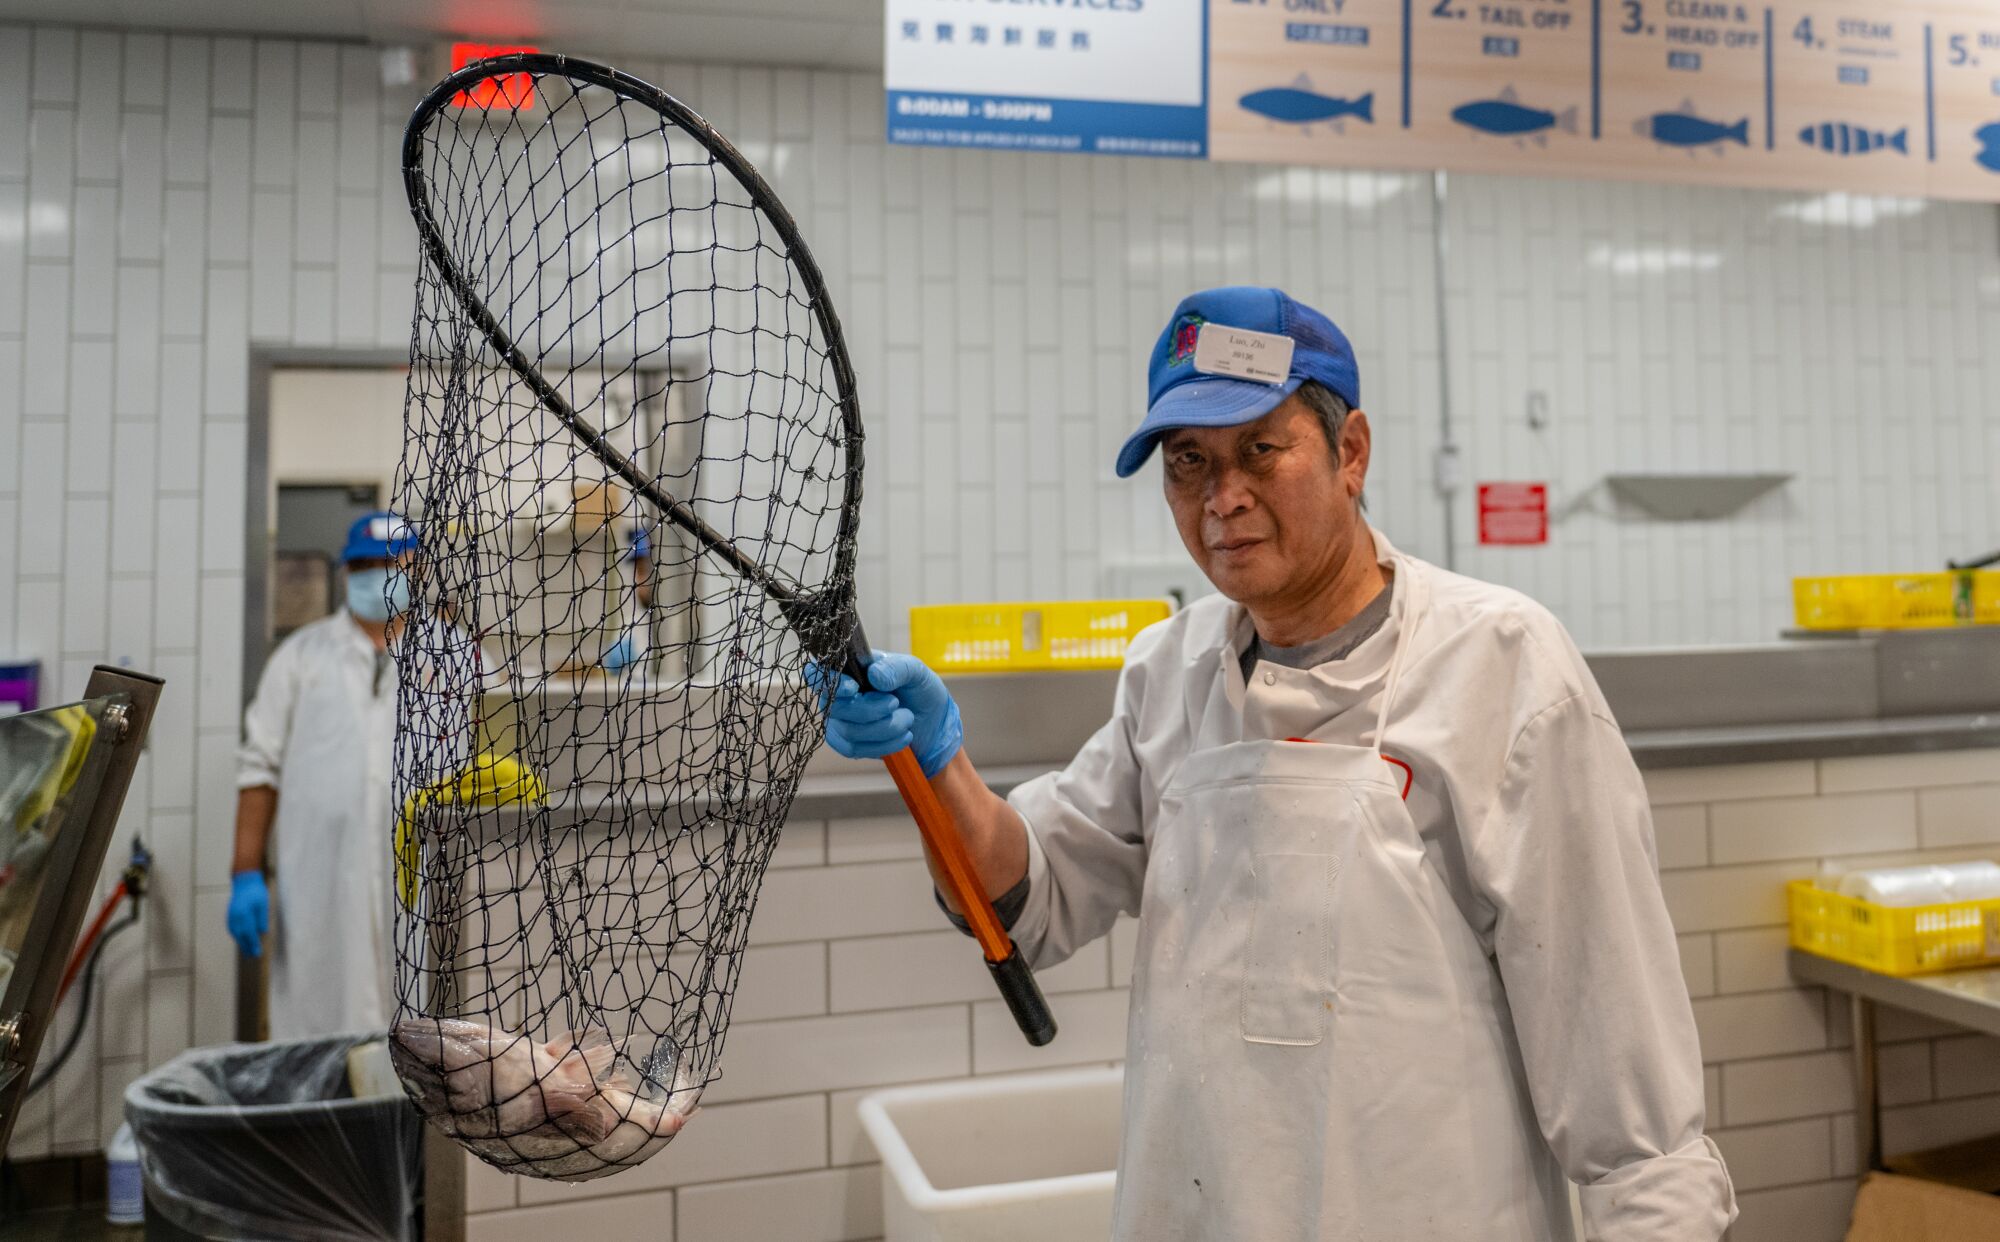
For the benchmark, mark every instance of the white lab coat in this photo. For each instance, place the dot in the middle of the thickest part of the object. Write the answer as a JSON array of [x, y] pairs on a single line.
[[321, 730], [1397, 1000]]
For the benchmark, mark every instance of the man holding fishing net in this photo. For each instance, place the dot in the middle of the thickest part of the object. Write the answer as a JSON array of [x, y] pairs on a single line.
[[1403, 968]]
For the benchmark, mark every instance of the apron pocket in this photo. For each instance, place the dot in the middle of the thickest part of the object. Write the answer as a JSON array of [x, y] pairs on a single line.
[[1288, 963]]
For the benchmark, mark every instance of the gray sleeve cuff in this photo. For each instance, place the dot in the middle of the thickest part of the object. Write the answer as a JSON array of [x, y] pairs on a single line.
[[1008, 906]]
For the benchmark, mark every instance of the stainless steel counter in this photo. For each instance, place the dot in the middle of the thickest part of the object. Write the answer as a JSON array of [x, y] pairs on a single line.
[[1863, 694], [1694, 748], [1855, 694], [865, 790]]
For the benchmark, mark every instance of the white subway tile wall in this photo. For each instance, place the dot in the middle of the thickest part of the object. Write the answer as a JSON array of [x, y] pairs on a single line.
[[1905, 1070], [176, 199], [1968, 1065], [1680, 834]]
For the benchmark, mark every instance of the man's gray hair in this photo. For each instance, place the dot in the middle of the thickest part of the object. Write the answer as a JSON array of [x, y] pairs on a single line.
[[1332, 409]]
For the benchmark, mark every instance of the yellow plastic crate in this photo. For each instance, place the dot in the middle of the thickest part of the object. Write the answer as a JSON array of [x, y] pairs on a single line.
[[1894, 940], [1010, 638], [1893, 601]]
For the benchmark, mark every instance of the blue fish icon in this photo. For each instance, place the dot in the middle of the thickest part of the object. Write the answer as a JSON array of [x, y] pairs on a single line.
[[1510, 118], [1840, 138], [1989, 147], [1685, 129], [1299, 104]]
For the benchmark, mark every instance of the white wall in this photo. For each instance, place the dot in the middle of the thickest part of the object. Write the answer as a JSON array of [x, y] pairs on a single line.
[[1852, 341], [166, 201], [335, 426]]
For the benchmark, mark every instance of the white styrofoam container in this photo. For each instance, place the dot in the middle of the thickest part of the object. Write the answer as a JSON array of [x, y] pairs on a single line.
[[999, 1159], [1006, 1158]]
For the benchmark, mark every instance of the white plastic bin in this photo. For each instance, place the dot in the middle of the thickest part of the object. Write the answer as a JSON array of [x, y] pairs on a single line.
[[999, 1159]]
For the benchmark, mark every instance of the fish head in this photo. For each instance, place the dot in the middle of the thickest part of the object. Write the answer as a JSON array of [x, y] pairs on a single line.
[[446, 1044], [416, 1049]]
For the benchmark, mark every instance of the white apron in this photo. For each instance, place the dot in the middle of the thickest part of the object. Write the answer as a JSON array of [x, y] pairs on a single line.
[[330, 942], [1319, 1046]]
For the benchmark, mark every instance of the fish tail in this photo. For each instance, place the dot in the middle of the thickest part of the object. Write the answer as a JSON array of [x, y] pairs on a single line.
[[1364, 107], [598, 1051], [1566, 120], [1901, 140], [1739, 132]]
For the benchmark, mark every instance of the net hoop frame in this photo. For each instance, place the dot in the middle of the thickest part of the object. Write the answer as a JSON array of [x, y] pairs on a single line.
[[827, 623], [795, 606]]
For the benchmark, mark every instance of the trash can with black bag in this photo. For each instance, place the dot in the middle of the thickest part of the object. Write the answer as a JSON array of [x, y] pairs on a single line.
[[269, 1141]]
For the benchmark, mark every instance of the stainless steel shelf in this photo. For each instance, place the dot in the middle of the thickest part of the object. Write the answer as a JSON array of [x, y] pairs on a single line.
[[1967, 998]]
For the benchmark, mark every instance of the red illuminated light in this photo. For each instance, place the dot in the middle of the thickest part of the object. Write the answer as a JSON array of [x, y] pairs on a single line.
[[511, 90]]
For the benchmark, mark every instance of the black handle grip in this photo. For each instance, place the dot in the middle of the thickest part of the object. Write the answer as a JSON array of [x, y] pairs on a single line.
[[1024, 997], [858, 654]]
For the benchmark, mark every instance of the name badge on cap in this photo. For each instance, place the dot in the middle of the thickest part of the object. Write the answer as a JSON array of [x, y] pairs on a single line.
[[1262, 356]]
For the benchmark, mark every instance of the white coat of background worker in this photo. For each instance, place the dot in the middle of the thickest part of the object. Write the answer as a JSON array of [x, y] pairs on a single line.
[[315, 766], [1403, 966]]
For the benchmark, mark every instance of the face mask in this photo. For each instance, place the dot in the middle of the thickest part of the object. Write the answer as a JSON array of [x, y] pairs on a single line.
[[377, 594]]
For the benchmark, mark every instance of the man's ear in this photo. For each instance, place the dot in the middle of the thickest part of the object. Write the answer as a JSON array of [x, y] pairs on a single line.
[[1356, 443]]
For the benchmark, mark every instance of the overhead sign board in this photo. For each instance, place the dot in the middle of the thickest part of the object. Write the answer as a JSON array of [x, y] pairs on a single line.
[[1112, 76], [1873, 96]]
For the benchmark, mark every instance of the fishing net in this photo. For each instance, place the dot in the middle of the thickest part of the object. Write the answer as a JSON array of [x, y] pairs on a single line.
[[632, 465]]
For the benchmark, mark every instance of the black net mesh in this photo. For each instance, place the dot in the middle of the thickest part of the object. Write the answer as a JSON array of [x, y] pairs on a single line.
[[602, 716]]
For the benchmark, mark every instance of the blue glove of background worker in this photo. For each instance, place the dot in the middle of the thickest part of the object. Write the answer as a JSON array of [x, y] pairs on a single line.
[[620, 653], [907, 706], [249, 911]]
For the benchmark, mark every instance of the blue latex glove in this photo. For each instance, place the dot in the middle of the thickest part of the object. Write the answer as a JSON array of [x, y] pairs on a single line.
[[249, 912], [621, 652], [906, 706]]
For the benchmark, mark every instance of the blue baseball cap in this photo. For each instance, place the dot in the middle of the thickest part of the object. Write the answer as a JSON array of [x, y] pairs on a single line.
[[380, 536], [1216, 391]]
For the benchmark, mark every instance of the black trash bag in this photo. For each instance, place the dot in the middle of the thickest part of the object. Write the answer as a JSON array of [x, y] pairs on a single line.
[[267, 1141]]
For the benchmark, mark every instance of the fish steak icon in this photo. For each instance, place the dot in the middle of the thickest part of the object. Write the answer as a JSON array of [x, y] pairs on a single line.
[[1840, 138]]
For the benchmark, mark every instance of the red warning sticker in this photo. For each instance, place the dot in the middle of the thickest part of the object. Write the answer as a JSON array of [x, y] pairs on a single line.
[[1513, 513]]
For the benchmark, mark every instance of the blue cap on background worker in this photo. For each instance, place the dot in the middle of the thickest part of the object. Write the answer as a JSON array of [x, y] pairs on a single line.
[[376, 588]]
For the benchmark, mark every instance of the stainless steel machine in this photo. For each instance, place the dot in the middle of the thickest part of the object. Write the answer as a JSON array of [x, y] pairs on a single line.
[[63, 775]]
